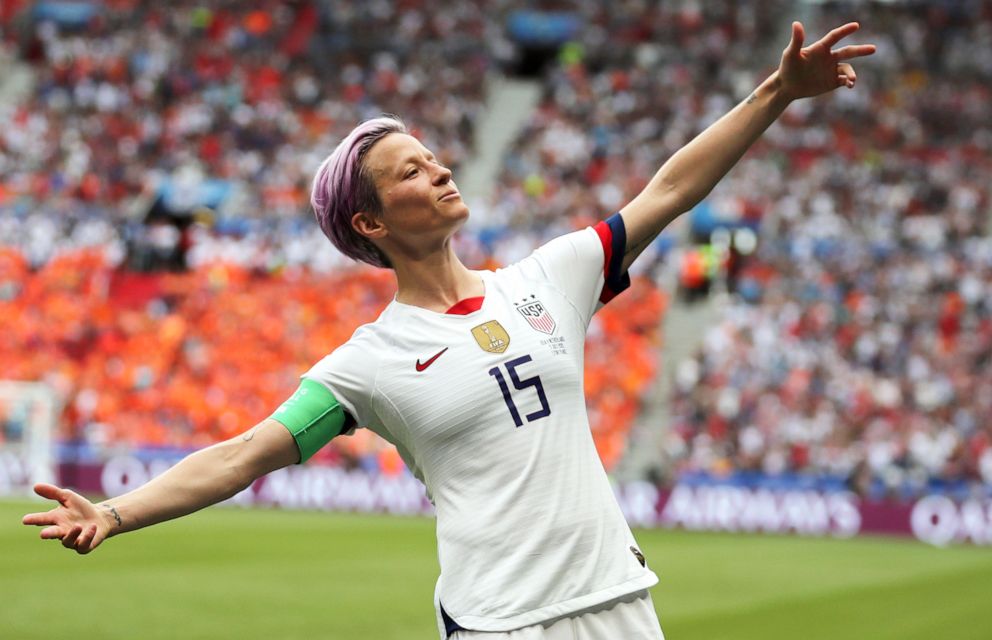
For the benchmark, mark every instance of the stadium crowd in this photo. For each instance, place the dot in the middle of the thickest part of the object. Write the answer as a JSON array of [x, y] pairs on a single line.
[[225, 105], [636, 84], [160, 360], [859, 336], [858, 344], [230, 107]]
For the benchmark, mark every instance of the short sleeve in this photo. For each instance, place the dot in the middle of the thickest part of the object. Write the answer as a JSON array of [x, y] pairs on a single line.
[[349, 373], [585, 265]]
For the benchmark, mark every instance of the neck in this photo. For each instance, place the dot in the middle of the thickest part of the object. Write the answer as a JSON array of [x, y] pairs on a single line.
[[436, 282]]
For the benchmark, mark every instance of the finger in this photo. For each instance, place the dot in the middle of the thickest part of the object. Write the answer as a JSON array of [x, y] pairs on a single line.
[[39, 519], [854, 51], [50, 491], [838, 34], [846, 80], [84, 540], [52, 533], [796, 44], [845, 69], [69, 539]]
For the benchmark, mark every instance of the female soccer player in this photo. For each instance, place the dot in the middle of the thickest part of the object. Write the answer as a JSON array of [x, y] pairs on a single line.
[[476, 377]]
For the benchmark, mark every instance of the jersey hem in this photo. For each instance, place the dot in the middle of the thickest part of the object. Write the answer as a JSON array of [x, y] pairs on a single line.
[[557, 610]]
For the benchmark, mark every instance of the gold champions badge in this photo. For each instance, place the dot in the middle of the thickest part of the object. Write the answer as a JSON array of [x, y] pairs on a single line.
[[492, 337]]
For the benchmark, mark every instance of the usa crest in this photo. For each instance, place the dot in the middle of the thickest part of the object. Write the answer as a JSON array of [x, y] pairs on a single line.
[[492, 337], [537, 316]]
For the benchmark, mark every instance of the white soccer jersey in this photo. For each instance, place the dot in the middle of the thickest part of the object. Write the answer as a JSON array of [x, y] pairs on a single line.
[[487, 408]]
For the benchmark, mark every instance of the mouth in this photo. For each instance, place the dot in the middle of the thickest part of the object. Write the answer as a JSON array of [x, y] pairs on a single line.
[[451, 195]]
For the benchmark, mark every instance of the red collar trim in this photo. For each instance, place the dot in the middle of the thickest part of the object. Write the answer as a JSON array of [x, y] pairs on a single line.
[[466, 306]]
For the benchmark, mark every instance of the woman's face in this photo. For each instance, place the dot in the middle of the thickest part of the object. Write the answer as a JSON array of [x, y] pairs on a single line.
[[418, 196]]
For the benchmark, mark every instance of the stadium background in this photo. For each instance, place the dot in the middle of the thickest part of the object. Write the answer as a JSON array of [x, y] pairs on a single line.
[[805, 353]]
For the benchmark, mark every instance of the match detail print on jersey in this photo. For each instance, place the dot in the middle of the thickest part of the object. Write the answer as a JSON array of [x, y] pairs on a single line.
[[430, 361], [536, 315], [491, 337]]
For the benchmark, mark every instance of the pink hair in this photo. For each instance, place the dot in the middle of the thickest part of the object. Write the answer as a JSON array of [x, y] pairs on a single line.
[[343, 187]]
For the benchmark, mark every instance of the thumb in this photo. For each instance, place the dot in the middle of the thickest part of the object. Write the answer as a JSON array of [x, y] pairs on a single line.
[[50, 491], [798, 35]]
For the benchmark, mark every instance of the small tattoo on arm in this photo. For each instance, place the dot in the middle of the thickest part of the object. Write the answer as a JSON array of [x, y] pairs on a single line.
[[250, 434], [751, 98], [114, 513]]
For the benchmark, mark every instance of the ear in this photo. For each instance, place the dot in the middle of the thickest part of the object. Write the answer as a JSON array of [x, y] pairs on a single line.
[[368, 225]]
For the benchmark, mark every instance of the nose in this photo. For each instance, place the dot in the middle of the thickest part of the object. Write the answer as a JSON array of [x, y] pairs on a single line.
[[442, 175]]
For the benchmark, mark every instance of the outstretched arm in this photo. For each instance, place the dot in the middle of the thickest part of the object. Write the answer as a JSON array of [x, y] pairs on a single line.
[[689, 175], [199, 480]]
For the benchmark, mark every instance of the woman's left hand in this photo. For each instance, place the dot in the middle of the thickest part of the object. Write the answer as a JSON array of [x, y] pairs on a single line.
[[809, 71]]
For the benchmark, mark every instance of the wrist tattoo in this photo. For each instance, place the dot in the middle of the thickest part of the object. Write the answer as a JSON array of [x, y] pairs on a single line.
[[113, 512], [751, 98]]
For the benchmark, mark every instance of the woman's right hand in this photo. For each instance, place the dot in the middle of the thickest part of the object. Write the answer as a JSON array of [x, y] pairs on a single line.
[[77, 522]]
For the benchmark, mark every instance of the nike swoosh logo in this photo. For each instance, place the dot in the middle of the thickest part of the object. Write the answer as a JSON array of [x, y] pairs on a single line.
[[422, 366]]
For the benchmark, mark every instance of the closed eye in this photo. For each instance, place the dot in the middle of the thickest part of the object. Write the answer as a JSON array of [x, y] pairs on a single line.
[[409, 174]]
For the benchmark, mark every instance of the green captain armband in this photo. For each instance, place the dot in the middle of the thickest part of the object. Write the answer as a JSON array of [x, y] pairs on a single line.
[[313, 416]]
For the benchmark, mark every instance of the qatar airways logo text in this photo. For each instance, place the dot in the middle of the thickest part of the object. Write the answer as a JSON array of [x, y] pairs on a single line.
[[723, 508], [937, 520], [940, 521]]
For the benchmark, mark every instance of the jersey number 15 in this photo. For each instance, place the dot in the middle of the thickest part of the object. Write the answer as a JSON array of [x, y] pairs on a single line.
[[520, 385]]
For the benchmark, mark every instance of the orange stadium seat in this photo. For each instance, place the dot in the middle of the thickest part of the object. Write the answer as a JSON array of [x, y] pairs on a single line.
[[216, 349]]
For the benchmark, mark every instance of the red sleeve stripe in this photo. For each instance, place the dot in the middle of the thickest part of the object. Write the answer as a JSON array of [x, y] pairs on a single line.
[[613, 235]]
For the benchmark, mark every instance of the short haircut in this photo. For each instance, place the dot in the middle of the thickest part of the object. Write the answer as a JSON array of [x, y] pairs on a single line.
[[343, 186]]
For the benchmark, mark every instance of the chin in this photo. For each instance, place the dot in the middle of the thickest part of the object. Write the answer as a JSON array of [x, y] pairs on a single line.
[[459, 218], [458, 211]]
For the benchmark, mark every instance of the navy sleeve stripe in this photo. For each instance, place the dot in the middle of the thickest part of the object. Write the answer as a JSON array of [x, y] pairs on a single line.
[[617, 280]]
